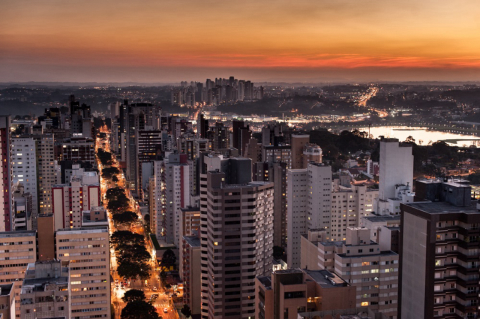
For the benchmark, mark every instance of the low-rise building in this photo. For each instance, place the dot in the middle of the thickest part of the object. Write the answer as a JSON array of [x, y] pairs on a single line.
[[45, 292], [286, 293]]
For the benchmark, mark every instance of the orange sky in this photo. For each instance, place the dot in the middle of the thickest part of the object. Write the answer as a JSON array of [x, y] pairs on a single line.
[[169, 40]]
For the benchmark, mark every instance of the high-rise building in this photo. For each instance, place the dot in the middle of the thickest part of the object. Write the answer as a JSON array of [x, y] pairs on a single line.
[[6, 200], [277, 174], [22, 250], [191, 273], [88, 252], [363, 264], [309, 205], [277, 153], [70, 200], [24, 166], [25, 218], [170, 188], [253, 150], [237, 239], [298, 145], [202, 126], [439, 252], [45, 145], [140, 116], [349, 206], [219, 135], [78, 149], [149, 146], [396, 177], [189, 226]]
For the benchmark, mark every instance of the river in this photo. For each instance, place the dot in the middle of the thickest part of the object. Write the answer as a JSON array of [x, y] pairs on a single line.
[[422, 135]]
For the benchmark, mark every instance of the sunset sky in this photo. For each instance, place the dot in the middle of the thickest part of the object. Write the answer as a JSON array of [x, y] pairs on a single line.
[[301, 40]]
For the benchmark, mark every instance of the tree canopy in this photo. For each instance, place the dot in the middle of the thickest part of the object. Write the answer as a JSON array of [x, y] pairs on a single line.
[[133, 295], [139, 309], [186, 311], [131, 270], [126, 237], [127, 217], [109, 172], [168, 259], [104, 157], [132, 253]]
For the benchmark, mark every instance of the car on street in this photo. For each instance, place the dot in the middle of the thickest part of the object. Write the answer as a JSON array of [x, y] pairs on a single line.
[[165, 310], [154, 289]]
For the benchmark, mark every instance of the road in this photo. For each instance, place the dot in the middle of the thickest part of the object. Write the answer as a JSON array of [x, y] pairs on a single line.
[[153, 283]]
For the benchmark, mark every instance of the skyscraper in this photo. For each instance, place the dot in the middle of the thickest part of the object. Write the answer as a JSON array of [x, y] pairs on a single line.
[[6, 200], [24, 167], [309, 205], [396, 176], [239, 244], [439, 252]]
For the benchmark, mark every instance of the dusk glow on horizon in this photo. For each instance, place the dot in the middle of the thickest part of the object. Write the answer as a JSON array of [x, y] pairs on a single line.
[[304, 40]]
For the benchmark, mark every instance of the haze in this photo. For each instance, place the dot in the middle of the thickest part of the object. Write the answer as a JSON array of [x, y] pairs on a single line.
[[302, 40]]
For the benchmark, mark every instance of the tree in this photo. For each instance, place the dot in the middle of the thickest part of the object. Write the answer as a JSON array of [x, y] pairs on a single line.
[[117, 205], [126, 237], [132, 270], [139, 309], [115, 179], [133, 295], [109, 172], [104, 157], [132, 253], [113, 193], [163, 276], [410, 139], [168, 259], [127, 217], [186, 311]]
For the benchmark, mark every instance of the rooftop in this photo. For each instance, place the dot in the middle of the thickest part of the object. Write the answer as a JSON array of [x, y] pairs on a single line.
[[381, 254], [14, 234], [193, 241], [39, 283], [83, 230], [385, 218], [443, 207], [266, 282], [325, 278]]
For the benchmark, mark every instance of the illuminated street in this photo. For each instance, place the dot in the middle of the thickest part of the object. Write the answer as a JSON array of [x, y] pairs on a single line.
[[162, 302]]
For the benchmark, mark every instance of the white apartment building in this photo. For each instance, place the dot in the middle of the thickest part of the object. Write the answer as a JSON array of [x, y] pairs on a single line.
[[24, 167], [308, 205], [297, 181], [69, 201], [349, 206], [396, 177], [88, 251], [170, 191]]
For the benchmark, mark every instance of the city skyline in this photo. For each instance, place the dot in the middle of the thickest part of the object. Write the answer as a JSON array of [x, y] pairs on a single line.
[[165, 42]]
